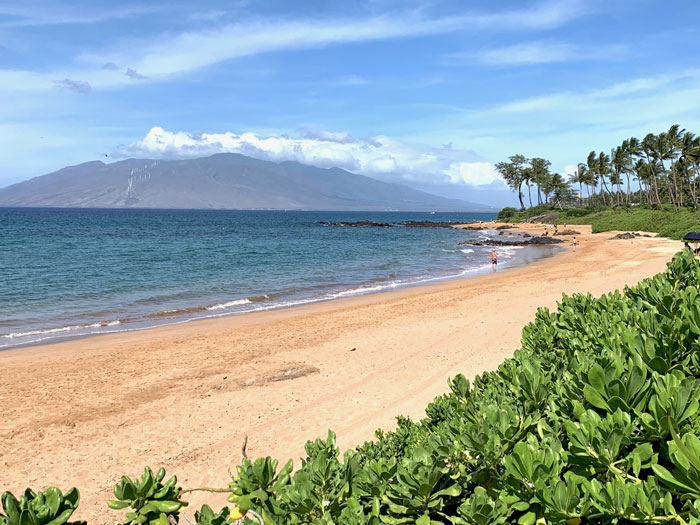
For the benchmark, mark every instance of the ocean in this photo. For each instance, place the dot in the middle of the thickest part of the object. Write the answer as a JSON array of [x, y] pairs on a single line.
[[67, 273]]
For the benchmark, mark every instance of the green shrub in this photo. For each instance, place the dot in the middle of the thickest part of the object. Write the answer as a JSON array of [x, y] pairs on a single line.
[[662, 220], [507, 213], [151, 501], [50, 507]]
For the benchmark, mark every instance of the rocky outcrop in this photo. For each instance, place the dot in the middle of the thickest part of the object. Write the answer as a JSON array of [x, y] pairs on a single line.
[[567, 232], [543, 240], [426, 224], [629, 235], [358, 224], [514, 242], [473, 227], [408, 224]]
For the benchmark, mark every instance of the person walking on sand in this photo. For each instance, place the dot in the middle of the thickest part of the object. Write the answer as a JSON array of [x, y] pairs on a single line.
[[494, 260], [574, 243]]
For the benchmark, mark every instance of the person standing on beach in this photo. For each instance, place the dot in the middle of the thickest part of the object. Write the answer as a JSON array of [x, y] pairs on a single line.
[[494, 260], [574, 243]]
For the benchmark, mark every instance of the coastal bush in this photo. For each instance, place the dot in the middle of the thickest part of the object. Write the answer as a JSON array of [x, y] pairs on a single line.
[[594, 420], [50, 507], [506, 213], [151, 501], [662, 220]]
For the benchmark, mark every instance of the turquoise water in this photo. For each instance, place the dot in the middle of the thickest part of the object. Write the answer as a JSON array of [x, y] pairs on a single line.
[[74, 272]]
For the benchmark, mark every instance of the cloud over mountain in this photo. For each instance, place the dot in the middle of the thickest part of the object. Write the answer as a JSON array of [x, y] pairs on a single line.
[[381, 157]]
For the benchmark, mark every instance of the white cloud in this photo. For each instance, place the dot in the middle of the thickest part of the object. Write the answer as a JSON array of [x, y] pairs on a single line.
[[474, 173], [40, 14], [381, 157], [538, 52], [578, 100], [193, 50], [529, 53], [162, 56]]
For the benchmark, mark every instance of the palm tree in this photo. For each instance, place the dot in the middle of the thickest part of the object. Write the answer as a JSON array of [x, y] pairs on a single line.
[[644, 174], [689, 150], [527, 177], [603, 171], [580, 176], [618, 161], [649, 144], [674, 136], [559, 188], [548, 184], [518, 162], [634, 149], [664, 149], [540, 173], [512, 173], [693, 155], [592, 165]]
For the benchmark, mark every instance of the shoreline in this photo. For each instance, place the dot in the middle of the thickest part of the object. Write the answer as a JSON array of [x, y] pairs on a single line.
[[84, 412], [84, 329]]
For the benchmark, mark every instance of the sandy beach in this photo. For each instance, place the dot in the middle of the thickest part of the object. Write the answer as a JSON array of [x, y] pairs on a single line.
[[84, 412]]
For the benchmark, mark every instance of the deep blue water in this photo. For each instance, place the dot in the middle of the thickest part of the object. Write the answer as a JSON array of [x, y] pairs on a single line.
[[73, 272]]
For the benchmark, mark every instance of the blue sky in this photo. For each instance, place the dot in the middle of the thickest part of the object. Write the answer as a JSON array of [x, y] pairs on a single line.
[[431, 94]]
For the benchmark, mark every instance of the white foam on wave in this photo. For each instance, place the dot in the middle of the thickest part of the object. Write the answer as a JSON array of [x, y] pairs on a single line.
[[228, 304], [362, 290], [466, 250], [71, 328]]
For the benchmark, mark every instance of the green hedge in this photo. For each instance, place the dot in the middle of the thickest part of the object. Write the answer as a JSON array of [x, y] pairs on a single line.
[[662, 220], [594, 420]]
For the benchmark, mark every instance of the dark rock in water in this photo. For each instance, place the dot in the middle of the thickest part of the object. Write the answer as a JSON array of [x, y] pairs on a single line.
[[626, 235], [567, 232], [506, 227], [530, 241], [409, 224], [526, 235], [544, 240], [426, 224], [358, 224], [500, 233], [473, 228]]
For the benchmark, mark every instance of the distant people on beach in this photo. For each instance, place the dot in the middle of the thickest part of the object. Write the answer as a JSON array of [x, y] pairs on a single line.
[[494, 260], [574, 243], [546, 232], [556, 230]]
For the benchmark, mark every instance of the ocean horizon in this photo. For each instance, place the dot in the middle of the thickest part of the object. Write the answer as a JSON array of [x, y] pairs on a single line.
[[71, 273]]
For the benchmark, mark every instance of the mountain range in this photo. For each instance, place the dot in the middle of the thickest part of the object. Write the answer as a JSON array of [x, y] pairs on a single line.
[[222, 181]]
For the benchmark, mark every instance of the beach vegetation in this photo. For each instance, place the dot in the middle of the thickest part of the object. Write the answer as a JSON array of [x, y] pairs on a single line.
[[151, 501], [658, 169], [50, 507], [206, 516], [594, 420], [663, 219]]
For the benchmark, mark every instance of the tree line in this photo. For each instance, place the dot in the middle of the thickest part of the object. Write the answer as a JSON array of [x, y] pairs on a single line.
[[665, 167]]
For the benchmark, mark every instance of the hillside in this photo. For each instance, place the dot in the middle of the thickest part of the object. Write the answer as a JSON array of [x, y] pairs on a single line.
[[223, 181]]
